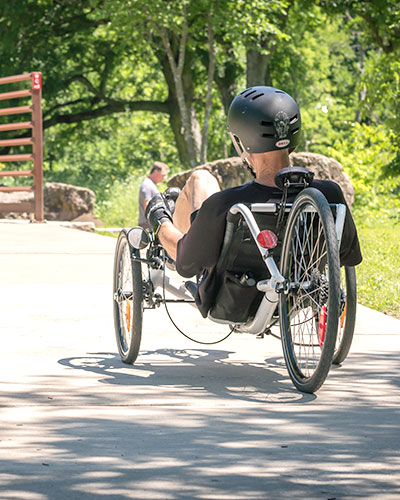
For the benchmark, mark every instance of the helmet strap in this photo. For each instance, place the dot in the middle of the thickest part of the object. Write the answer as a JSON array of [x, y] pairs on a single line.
[[242, 153], [248, 165]]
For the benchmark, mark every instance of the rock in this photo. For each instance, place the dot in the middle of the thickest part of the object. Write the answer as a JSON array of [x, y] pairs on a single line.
[[325, 168], [62, 202], [16, 197], [230, 172], [67, 202], [89, 219]]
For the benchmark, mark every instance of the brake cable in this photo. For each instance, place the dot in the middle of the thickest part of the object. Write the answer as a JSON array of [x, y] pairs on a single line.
[[177, 327], [282, 206]]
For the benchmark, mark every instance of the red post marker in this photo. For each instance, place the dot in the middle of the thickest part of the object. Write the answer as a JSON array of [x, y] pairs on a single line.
[[36, 81]]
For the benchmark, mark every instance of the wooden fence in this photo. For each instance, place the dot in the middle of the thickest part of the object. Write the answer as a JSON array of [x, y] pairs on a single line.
[[34, 110]]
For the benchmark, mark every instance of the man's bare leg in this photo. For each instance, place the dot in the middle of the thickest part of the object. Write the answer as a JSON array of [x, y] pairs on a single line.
[[200, 185]]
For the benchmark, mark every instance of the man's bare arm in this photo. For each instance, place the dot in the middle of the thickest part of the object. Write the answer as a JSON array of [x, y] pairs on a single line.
[[169, 236]]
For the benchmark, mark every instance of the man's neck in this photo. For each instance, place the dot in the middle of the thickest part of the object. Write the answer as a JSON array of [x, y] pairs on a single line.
[[266, 165]]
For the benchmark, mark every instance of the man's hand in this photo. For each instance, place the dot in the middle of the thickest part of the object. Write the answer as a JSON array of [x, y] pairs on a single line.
[[171, 194], [157, 210]]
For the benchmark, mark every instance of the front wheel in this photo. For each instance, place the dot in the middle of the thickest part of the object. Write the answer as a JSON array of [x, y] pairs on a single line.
[[309, 306], [128, 300]]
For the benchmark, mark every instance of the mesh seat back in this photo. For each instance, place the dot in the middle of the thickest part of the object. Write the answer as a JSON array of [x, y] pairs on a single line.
[[239, 268]]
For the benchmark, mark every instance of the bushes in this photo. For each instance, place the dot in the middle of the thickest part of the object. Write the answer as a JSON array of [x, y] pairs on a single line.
[[364, 154], [119, 207]]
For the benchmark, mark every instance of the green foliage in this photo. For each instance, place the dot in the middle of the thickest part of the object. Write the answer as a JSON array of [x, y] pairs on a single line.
[[112, 149], [381, 81], [119, 208], [363, 153], [317, 66]]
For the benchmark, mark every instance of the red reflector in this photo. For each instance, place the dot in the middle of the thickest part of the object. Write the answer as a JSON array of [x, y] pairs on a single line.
[[267, 239], [322, 326]]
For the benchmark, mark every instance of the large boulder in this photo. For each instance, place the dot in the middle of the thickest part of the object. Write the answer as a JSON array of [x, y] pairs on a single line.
[[230, 172], [67, 202], [62, 202], [325, 168]]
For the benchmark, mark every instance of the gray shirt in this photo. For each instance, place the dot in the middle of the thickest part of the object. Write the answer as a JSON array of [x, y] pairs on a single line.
[[147, 190]]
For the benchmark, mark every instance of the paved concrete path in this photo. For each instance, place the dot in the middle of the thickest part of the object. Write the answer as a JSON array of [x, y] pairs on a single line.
[[187, 421]]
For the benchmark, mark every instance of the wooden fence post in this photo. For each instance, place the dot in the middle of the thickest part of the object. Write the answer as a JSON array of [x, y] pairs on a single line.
[[36, 140]]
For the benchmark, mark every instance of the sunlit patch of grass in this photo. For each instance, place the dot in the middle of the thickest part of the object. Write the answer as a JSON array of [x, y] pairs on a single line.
[[378, 276], [113, 234]]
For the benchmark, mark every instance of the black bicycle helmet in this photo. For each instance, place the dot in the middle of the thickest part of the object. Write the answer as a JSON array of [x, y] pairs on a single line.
[[262, 119]]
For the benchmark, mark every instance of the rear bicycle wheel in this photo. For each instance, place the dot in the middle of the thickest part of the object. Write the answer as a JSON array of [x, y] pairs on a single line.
[[128, 300], [309, 307], [347, 320]]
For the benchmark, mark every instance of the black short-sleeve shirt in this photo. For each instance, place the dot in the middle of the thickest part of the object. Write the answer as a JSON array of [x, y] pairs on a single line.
[[199, 249]]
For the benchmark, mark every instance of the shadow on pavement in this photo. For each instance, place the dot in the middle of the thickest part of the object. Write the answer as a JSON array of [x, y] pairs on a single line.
[[235, 451], [201, 373], [135, 440]]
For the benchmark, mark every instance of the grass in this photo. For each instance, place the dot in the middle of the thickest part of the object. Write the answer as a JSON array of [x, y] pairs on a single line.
[[378, 282]]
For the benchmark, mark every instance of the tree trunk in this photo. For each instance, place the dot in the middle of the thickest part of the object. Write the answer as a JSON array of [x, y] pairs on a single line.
[[257, 70], [362, 93], [207, 109], [177, 71], [176, 126], [175, 118], [227, 75]]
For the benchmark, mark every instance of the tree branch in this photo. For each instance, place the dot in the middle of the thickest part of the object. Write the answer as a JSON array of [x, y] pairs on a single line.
[[182, 45], [47, 112], [110, 108], [86, 82]]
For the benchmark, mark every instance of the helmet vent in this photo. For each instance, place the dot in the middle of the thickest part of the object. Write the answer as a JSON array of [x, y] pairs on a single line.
[[267, 135], [250, 93], [295, 131], [266, 124], [294, 119], [279, 92], [256, 96], [244, 91]]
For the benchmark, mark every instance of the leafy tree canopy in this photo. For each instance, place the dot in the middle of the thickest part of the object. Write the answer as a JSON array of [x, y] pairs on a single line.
[[128, 81]]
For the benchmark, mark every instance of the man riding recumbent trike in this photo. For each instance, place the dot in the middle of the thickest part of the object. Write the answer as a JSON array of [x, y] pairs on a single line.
[[280, 249]]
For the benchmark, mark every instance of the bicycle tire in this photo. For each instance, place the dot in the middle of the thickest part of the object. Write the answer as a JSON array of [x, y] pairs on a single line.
[[309, 307], [128, 300], [348, 310]]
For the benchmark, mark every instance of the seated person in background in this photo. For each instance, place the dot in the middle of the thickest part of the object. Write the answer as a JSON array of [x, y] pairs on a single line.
[[148, 189], [264, 125]]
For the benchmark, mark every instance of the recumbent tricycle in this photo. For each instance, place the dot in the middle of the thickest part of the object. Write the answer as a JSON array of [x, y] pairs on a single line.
[[307, 293]]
